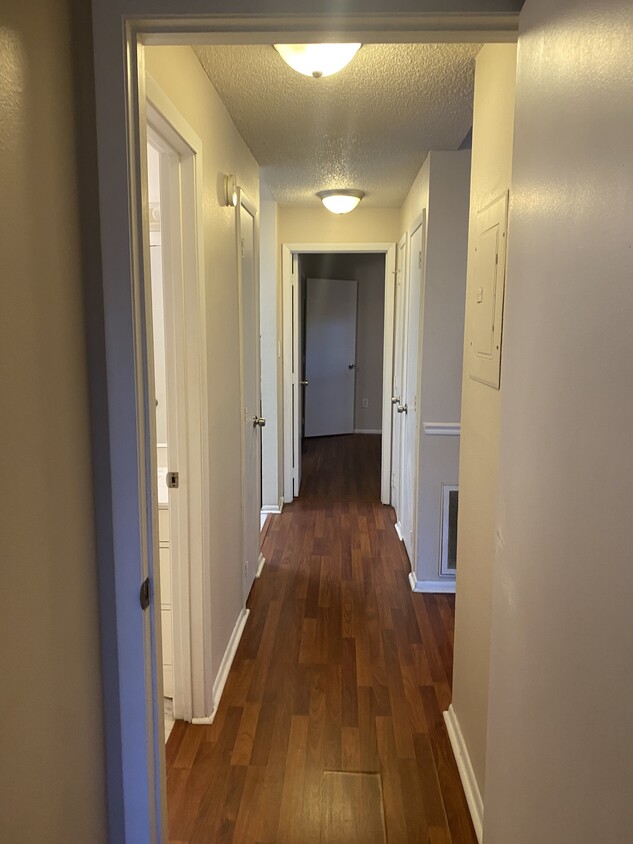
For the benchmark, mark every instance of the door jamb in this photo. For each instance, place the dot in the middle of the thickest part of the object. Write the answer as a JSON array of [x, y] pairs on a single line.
[[243, 201], [191, 588], [135, 795], [291, 379]]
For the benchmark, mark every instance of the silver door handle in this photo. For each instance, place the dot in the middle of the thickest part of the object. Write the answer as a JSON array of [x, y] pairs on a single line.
[[402, 408], [258, 420], [395, 400], [351, 366], [304, 383]]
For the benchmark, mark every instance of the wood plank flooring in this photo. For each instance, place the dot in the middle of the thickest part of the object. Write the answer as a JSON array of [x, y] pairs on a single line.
[[341, 668], [341, 468]]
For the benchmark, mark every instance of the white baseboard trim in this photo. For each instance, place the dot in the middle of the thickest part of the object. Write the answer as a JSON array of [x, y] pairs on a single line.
[[440, 587], [368, 430], [260, 565], [267, 509], [225, 666], [398, 531], [466, 773]]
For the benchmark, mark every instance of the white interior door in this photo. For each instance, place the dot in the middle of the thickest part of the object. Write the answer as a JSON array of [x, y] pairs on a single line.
[[330, 357], [398, 359], [408, 407], [251, 411], [298, 367]]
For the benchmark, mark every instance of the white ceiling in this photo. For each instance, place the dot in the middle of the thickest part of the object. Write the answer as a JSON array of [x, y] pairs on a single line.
[[369, 127]]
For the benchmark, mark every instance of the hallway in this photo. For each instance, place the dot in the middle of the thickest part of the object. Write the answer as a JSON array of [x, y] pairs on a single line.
[[341, 468], [341, 668]]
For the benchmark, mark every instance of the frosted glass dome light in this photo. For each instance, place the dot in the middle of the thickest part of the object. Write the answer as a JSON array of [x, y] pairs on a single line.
[[340, 201], [317, 60]]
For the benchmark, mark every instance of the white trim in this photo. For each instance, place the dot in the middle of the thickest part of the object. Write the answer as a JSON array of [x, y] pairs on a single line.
[[250, 532], [410, 392], [269, 509], [192, 686], [260, 565], [292, 443], [398, 528], [225, 666], [288, 383], [466, 772], [442, 429], [439, 587], [377, 28], [368, 430]]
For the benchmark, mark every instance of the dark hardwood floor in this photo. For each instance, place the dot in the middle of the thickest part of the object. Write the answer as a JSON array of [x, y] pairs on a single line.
[[341, 468], [334, 702]]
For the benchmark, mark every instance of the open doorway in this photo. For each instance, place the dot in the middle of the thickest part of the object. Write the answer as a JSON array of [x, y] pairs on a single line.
[[342, 327], [174, 300], [220, 276], [337, 298]]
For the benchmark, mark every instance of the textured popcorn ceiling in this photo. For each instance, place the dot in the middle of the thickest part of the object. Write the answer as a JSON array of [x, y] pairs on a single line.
[[370, 126]]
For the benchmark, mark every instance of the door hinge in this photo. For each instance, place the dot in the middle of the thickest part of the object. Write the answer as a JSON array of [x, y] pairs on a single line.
[[144, 595], [172, 479]]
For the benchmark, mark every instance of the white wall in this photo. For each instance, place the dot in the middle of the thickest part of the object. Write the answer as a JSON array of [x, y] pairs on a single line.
[[442, 188], [180, 75], [271, 358], [51, 728], [369, 271], [493, 125], [560, 725]]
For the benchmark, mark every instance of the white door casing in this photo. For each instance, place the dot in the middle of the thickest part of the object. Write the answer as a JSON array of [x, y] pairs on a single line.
[[187, 404], [291, 376], [298, 373], [158, 160], [408, 407], [250, 388], [330, 367], [398, 362]]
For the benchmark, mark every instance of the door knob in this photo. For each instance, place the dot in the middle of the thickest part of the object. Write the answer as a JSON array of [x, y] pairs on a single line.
[[395, 400], [258, 420], [351, 366], [402, 408], [304, 383]]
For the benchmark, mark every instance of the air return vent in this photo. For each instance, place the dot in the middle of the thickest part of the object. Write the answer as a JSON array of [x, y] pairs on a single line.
[[448, 560]]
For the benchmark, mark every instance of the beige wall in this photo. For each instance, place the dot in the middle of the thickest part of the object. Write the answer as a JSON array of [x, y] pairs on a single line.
[[417, 200], [180, 75], [317, 225], [560, 726], [490, 176], [52, 758]]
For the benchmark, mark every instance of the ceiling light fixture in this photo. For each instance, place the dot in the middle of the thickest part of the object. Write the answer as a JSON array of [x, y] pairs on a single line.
[[340, 201], [317, 60]]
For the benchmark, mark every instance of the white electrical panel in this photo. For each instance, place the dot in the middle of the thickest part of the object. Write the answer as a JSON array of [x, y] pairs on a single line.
[[486, 292]]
